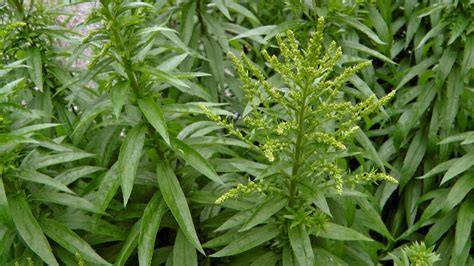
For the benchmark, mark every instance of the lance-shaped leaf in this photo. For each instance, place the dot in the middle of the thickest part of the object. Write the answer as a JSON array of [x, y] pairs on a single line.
[[152, 112], [66, 200], [183, 251], [5, 218], [69, 240], [129, 245], [29, 229], [195, 160], [48, 160], [130, 154], [265, 211], [176, 201], [107, 190], [151, 220], [339, 232], [301, 245], [37, 177], [249, 240], [35, 66]]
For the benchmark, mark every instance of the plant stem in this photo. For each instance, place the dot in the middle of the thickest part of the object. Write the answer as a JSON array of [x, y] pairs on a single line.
[[299, 146], [126, 58]]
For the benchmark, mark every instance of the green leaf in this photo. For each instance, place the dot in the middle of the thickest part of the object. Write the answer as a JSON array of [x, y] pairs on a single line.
[[194, 159], [5, 218], [440, 227], [9, 87], [216, 32], [48, 160], [326, 258], [176, 201], [118, 95], [367, 50], [446, 63], [223, 239], [187, 21], [457, 27], [417, 70], [152, 112], [183, 251], [35, 64], [66, 200], [263, 30], [87, 117], [194, 108], [223, 8], [250, 239], [237, 219], [129, 157], [164, 76], [71, 175], [129, 245], [37, 177], [107, 190], [132, 5], [268, 259], [461, 165], [339, 232], [31, 129], [369, 147], [29, 229], [173, 63], [69, 240], [151, 221], [301, 245], [7, 239], [265, 211], [234, 6], [458, 192], [415, 154], [216, 60], [372, 218], [444, 166], [436, 204], [360, 27], [463, 226], [287, 257], [468, 56], [435, 31]]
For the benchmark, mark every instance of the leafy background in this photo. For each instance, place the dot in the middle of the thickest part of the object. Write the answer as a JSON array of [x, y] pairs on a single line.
[[115, 162]]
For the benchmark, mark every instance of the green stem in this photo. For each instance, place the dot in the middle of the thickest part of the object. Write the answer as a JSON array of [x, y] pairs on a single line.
[[125, 57], [299, 146]]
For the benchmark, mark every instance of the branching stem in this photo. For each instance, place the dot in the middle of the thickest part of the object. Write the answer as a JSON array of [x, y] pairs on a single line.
[[299, 146]]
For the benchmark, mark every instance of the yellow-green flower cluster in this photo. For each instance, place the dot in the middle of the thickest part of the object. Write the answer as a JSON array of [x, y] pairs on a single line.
[[7, 29], [249, 87], [80, 260], [373, 176], [257, 122], [103, 51], [223, 123], [332, 170], [240, 190], [283, 128], [326, 138], [271, 146]]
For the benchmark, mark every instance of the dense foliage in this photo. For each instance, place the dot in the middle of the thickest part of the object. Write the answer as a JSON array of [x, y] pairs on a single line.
[[222, 132]]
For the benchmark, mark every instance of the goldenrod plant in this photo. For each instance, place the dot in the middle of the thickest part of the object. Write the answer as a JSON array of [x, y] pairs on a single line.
[[302, 128]]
